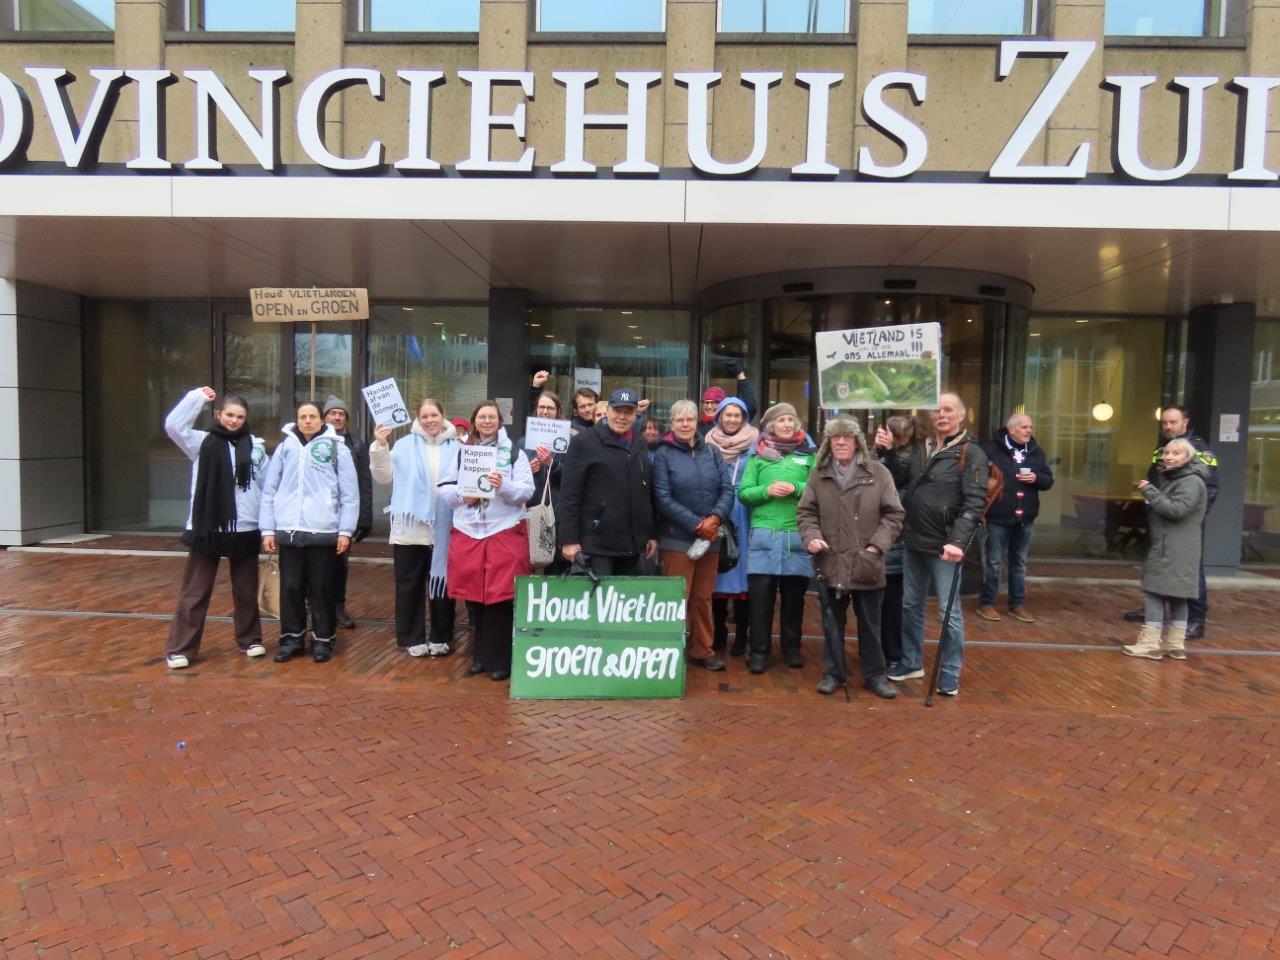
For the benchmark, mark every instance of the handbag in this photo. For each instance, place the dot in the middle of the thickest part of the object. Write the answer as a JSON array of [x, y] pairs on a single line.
[[542, 529], [269, 587], [729, 555]]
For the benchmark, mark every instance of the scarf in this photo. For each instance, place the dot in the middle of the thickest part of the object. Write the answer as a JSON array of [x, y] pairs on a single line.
[[213, 503], [1018, 453], [733, 445], [413, 495], [771, 448]]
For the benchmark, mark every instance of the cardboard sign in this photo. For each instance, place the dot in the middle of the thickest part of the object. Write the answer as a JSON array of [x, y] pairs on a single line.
[[873, 368], [623, 639], [386, 406], [298, 304], [588, 377], [474, 466], [541, 432]]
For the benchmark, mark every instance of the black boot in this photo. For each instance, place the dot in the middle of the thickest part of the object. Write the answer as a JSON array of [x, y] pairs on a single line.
[[343, 618], [321, 652], [1136, 616], [742, 621], [1195, 630]]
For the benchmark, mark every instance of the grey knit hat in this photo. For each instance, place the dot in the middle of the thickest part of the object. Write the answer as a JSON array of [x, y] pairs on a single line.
[[336, 403], [776, 411]]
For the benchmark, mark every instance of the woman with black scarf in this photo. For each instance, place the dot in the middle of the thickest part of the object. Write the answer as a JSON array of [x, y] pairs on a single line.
[[228, 464]]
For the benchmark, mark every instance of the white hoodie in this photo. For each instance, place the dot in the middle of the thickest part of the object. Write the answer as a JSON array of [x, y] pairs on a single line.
[[180, 426], [306, 493]]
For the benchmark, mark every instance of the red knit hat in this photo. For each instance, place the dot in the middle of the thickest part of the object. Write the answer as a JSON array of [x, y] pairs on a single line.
[[713, 394]]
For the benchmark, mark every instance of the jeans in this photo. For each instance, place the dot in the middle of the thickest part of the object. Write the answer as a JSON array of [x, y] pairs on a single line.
[[919, 569], [1006, 541], [1160, 609]]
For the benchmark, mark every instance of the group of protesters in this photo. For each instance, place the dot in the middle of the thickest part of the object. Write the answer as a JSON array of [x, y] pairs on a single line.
[[878, 523]]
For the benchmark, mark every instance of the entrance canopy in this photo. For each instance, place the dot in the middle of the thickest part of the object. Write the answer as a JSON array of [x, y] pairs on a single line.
[[1084, 248]]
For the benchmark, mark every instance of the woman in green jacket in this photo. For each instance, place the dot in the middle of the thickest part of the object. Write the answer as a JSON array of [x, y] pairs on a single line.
[[777, 561]]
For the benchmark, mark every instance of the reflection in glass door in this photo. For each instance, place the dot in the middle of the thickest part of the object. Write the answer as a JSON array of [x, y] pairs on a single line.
[[332, 369], [251, 368]]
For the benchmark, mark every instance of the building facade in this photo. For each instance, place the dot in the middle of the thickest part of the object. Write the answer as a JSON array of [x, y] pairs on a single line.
[[1082, 194]]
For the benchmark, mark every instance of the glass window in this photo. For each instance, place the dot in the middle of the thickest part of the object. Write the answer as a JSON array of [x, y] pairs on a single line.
[[784, 16], [427, 16], [65, 15], [1008, 17], [1262, 472], [437, 351], [1165, 18], [256, 16], [251, 368], [1093, 392], [616, 16], [646, 350], [332, 364], [731, 336], [141, 358]]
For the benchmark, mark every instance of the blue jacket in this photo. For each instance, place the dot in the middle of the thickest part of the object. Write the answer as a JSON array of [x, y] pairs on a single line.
[[688, 484]]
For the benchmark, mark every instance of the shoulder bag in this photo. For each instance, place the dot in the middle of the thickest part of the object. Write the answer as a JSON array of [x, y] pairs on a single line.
[[542, 528]]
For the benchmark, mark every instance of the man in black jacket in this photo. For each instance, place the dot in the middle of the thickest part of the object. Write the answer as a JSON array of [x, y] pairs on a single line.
[[944, 503], [1026, 472], [335, 414], [606, 509], [1174, 425]]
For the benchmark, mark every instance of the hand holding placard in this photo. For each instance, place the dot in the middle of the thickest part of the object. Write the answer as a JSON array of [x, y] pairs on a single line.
[[386, 406]]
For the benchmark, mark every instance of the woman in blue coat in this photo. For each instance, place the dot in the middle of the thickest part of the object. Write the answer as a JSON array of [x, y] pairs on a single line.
[[693, 496], [734, 438]]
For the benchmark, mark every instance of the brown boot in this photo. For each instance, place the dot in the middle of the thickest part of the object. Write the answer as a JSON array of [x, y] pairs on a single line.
[[1175, 643], [1148, 644]]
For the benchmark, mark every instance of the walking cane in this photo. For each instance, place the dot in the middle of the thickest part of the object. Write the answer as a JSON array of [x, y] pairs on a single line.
[[946, 618]]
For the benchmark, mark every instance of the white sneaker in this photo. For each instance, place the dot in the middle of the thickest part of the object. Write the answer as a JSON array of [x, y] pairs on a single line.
[[438, 650], [419, 649], [256, 650], [177, 661], [901, 675]]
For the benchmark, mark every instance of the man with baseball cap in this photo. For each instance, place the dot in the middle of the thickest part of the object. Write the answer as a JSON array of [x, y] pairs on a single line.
[[606, 510]]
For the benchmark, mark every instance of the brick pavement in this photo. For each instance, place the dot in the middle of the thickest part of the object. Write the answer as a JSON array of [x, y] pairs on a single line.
[[1071, 803]]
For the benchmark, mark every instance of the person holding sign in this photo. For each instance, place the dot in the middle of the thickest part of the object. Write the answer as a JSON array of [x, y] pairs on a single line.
[[421, 522], [228, 464], [849, 517], [694, 496], [489, 546], [549, 445], [774, 480], [336, 415], [310, 506]]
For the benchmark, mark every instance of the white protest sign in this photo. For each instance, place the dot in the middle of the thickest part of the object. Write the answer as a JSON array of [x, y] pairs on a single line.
[[871, 368], [542, 432], [588, 377], [506, 405], [474, 466], [386, 406]]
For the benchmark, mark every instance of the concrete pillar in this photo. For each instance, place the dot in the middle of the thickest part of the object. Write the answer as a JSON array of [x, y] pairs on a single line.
[[319, 46], [509, 351], [1219, 349], [691, 45], [504, 45], [1262, 32], [1085, 112], [882, 47], [42, 407]]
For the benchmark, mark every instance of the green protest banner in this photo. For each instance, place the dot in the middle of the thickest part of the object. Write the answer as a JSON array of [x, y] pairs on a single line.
[[622, 639]]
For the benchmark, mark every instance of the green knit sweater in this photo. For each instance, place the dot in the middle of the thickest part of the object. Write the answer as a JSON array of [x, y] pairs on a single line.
[[775, 513]]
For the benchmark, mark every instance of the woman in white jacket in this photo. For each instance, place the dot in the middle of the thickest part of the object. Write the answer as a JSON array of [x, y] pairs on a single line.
[[421, 522], [489, 546], [310, 505], [227, 467]]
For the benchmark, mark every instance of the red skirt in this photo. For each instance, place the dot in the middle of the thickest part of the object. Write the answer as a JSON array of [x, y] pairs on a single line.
[[485, 571]]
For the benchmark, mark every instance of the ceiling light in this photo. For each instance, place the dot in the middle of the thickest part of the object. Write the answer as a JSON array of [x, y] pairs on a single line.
[[1083, 321], [888, 303], [627, 313], [535, 325], [407, 309], [633, 326], [549, 336], [1035, 334], [1103, 412], [637, 337], [438, 323]]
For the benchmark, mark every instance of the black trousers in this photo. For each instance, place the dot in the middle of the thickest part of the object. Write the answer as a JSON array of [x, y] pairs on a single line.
[[835, 612], [891, 619], [720, 618], [341, 563], [616, 566], [762, 589], [306, 577], [412, 567], [494, 623]]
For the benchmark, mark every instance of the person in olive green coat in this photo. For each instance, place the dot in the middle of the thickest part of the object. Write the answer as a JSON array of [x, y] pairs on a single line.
[[1171, 574], [772, 484]]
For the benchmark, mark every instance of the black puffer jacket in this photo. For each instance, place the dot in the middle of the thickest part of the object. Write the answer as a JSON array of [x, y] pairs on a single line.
[[1017, 495], [942, 504], [606, 494]]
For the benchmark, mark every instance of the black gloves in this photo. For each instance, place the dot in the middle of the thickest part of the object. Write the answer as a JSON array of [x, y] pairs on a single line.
[[735, 368]]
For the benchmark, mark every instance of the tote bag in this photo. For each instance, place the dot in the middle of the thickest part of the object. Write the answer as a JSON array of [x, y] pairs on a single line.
[[269, 587], [542, 529]]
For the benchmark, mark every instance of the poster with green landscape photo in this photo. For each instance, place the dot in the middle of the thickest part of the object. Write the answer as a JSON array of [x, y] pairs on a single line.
[[875, 368]]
